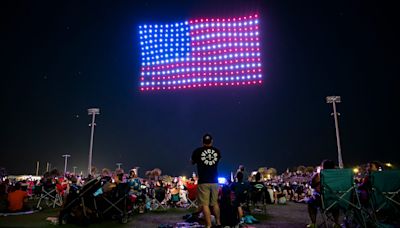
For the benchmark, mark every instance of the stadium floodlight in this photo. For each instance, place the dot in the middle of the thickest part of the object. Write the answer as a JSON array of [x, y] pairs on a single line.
[[75, 169], [66, 156], [93, 112], [333, 100], [119, 165]]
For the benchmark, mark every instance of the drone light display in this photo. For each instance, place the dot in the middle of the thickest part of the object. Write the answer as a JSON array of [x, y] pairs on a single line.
[[200, 53]]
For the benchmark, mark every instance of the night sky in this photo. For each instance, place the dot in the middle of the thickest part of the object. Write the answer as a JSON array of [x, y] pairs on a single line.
[[59, 58]]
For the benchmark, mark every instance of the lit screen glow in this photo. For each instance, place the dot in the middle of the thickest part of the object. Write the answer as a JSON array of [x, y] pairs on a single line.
[[222, 180], [200, 53]]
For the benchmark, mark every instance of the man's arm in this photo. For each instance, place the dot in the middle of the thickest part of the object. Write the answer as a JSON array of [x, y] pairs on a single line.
[[315, 180]]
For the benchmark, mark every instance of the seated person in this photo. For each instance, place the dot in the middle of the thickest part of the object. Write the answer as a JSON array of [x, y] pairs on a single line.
[[257, 189], [17, 199], [159, 191], [48, 184], [73, 186], [288, 191], [299, 192], [240, 190], [105, 175], [279, 196], [118, 187], [3, 198], [106, 183], [72, 190], [314, 202], [183, 195], [365, 187], [269, 194], [174, 191], [61, 185], [192, 189], [134, 181]]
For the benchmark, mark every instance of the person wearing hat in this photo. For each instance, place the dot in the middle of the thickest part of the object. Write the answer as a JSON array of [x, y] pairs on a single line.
[[207, 158]]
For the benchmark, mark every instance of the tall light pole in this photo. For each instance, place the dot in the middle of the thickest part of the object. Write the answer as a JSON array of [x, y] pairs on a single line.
[[333, 100], [74, 170], [37, 168], [119, 165], [93, 112], [66, 156]]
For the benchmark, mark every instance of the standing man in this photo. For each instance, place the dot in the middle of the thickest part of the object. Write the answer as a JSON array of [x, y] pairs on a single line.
[[206, 158]]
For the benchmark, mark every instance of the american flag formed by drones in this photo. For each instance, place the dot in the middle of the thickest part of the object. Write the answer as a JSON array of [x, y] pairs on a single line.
[[200, 53]]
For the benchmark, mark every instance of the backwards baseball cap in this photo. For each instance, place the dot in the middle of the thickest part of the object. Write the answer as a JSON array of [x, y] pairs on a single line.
[[207, 139]]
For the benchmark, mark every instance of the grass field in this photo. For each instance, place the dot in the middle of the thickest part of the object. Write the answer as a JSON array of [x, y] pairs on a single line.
[[291, 215]]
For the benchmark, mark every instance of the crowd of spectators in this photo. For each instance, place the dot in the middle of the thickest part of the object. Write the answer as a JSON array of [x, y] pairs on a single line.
[[289, 186], [13, 196], [164, 191]]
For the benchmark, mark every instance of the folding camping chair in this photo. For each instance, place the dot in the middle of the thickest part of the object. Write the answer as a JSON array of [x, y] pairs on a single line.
[[81, 199], [158, 199], [191, 196], [49, 196], [338, 191], [117, 202], [385, 195], [257, 198], [175, 199]]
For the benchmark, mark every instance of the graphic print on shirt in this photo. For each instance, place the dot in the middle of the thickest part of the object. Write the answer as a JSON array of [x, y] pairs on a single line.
[[209, 157]]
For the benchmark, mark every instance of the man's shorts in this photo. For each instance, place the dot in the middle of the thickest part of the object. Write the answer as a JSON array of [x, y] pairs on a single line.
[[207, 194]]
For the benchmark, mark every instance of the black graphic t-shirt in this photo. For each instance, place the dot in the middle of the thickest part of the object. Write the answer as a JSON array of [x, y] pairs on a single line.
[[207, 159]]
